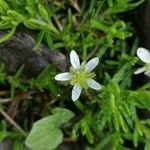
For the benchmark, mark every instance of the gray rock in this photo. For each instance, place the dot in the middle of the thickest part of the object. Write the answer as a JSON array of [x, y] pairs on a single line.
[[70, 146], [6, 145], [18, 50]]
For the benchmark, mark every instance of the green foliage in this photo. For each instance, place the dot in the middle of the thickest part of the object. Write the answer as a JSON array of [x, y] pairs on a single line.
[[115, 109], [32, 14], [122, 5], [38, 15], [15, 83], [45, 81], [118, 113], [106, 119], [12, 135], [84, 126], [45, 133], [116, 30], [142, 99]]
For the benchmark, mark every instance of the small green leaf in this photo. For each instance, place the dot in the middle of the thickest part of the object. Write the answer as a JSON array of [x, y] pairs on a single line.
[[19, 72], [4, 7], [18, 145], [45, 134], [98, 25], [121, 74], [15, 14], [45, 81], [43, 12], [8, 35], [48, 39], [38, 24], [15, 82], [38, 39], [64, 115], [135, 137], [3, 135], [142, 98]]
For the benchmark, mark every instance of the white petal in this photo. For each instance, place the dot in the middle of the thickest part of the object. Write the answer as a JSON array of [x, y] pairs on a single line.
[[92, 64], [93, 84], [140, 70], [63, 76], [74, 59], [143, 54], [76, 91]]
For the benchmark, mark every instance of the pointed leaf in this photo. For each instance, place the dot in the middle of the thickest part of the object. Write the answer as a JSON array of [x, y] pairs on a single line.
[[7, 35]]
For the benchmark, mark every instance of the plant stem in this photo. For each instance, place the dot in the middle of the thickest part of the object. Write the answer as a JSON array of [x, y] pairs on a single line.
[[5, 100], [11, 121]]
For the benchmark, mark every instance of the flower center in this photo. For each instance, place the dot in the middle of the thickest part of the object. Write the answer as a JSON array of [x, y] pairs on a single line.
[[79, 76]]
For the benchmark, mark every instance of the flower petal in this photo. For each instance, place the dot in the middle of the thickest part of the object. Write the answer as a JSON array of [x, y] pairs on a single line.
[[93, 84], [76, 91], [92, 64], [143, 54], [74, 59], [140, 70], [63, 76]]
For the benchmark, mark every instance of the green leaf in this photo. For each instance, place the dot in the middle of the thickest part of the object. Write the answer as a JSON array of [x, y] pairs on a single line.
[[37, 22], [38, 39], [122, 73], [19, 72], [147, 145], [48, 39], [142, 98], [51, 27], [123, 6], [45, 81], [4, 7], [98, 25], [64, 115], [43, 12], [3, 135], [45, 134], [14, 14], [18, 145], [8, 35], [15, 82]]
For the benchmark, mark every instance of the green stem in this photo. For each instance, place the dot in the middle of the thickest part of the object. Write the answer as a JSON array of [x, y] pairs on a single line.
[[79, 105]]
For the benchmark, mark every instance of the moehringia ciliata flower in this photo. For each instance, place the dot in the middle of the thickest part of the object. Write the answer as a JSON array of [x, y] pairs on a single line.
[[144, 56], [80, 75]]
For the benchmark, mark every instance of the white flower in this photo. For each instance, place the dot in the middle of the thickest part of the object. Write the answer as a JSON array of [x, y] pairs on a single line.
[[80, 75], [144, 55]]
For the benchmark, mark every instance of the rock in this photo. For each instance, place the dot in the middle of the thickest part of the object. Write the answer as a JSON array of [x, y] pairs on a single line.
[[18, 50], [70, 146], [6, 144]]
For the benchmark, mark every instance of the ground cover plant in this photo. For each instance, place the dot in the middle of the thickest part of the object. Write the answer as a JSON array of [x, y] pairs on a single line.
[[96, 104]]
